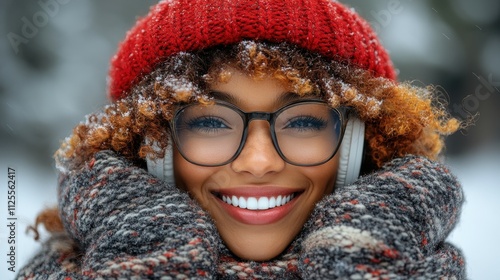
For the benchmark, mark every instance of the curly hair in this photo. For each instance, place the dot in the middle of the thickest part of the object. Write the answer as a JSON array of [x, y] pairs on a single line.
[[400, 118]]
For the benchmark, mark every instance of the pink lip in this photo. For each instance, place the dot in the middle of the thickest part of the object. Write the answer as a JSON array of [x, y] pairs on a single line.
[[258, 217]]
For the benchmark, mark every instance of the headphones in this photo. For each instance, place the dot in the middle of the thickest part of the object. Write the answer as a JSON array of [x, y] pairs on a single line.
[[350, 158], [351, 152]]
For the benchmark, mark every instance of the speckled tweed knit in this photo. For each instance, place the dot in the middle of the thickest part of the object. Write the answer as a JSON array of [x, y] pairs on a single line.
[[122, 223]]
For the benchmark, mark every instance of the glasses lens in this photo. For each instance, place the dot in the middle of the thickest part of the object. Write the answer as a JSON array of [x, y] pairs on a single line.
[[308, 133], [208, 134]]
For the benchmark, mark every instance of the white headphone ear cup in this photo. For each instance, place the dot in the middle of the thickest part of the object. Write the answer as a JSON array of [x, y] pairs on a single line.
[[162, 168], [351, 152]]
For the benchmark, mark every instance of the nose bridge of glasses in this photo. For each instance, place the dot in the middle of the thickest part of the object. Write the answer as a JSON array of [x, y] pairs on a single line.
[[262, 116], [258, 143], [259, 116]]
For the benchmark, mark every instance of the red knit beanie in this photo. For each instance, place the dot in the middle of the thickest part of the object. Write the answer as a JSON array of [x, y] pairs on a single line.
[[172, 26]]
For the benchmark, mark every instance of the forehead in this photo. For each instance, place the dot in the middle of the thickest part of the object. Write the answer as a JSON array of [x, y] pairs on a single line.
[[248, 93]]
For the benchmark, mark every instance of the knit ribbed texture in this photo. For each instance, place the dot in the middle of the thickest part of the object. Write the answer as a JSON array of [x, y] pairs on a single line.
[[121, 222], [130, 223], [322, 26], [390, 225]]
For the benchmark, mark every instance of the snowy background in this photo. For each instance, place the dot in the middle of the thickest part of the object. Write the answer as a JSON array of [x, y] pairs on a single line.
[[58, 74]]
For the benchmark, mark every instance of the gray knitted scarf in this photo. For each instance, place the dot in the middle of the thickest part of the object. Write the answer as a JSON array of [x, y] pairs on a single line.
[[123, 223]]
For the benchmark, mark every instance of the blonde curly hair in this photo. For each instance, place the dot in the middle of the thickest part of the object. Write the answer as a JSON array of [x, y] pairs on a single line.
[[400, 118]]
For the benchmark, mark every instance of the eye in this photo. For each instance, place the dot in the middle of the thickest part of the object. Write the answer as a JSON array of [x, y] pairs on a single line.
[[207, 123], [306, 123]]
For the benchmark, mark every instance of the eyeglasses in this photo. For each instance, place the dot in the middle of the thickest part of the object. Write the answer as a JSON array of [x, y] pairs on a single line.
[[304, 133]]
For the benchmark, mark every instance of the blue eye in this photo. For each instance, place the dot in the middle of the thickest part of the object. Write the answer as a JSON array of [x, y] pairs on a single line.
[[306, 123], [209, 124]]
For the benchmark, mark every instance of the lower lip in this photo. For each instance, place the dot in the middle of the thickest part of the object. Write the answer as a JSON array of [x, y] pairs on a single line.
[[259, 217]]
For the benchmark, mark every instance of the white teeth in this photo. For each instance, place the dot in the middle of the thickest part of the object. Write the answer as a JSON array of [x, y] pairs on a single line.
[[272, 202], [242, 202], [262, 203], [235, 200], [252, 203]]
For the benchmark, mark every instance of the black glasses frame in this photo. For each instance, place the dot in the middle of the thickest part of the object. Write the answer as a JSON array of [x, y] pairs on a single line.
[[247, 117]]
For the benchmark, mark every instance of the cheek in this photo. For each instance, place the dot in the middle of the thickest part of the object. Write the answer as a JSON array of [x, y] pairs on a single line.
[[323, 176], [197, 180], [188, 177]]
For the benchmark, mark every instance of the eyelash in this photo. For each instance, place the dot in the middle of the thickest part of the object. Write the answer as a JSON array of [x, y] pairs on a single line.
[[200, 124], [312, 123]]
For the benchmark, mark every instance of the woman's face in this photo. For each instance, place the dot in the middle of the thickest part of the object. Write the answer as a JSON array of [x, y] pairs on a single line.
[[258, 172]]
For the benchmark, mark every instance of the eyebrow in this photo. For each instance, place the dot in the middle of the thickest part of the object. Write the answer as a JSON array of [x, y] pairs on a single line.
[[226, 97], [283, 99], [287, 98]]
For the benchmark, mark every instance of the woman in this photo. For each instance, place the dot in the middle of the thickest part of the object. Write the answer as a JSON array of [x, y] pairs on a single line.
[[233, 149]]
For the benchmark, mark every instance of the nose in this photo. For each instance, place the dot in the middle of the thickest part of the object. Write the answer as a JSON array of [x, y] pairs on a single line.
[[258, 156]]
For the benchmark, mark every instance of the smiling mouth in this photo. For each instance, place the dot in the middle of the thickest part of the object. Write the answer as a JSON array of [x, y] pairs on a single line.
[[257, 203], [258, 206]]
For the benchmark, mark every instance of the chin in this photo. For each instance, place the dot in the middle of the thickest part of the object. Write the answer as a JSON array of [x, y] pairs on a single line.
[[259, 253], [259, 243]]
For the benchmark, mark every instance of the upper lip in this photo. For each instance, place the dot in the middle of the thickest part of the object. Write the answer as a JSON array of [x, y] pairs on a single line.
[[257, 191]]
